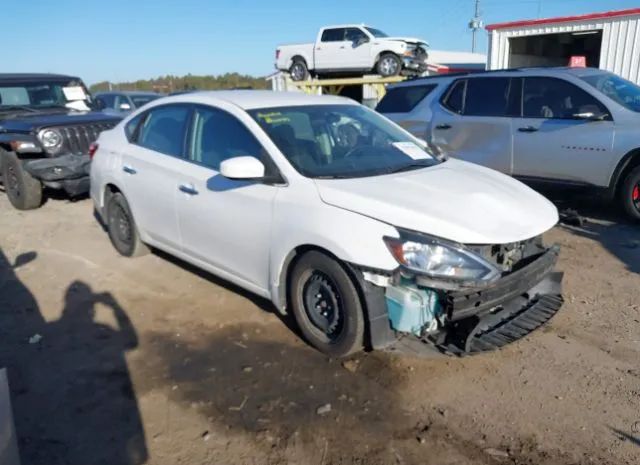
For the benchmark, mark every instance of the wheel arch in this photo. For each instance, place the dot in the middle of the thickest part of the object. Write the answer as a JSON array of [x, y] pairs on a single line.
[[298, 57], [376, 326], [385, 52], [110, 188], [288, 263], [624, 166]]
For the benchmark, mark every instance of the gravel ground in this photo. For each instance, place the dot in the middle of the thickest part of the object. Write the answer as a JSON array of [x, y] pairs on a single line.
[[120, 361]]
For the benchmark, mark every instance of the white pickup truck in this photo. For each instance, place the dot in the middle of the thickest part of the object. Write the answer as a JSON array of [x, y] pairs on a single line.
[[352, 48]]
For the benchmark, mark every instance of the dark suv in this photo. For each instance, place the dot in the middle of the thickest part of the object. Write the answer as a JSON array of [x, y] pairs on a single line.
[[47, 125]]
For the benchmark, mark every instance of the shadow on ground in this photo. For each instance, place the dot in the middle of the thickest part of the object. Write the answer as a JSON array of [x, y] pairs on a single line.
[[72, 396], [604, 223], [286, 396]]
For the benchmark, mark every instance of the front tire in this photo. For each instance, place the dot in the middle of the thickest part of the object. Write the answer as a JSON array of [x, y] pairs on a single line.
[[24, 191], [298, 70], [326, 305], [630, 194], [389, 65], [122, 228]]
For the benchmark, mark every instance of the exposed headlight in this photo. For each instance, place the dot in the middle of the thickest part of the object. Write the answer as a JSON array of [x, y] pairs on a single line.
[[440, 259], [50, 139]]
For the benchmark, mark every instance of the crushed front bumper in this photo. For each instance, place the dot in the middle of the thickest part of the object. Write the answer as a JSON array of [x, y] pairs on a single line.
[[480, 320], [416, 64], [67, 172]]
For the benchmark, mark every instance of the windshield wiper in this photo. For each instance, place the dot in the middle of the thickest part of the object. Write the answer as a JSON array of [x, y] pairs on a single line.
[[411, 166], [18, 107]]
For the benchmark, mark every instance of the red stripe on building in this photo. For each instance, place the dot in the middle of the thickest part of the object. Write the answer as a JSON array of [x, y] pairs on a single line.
[[564, 19]]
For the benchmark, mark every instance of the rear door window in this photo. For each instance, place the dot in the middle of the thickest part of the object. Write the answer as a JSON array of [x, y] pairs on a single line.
[[404, 99], [454, 100], [487, 97], [553, 98], [333, 35], [164, 129]]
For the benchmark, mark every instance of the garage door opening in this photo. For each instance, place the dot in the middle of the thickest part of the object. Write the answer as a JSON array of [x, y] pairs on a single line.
[[555, 49]]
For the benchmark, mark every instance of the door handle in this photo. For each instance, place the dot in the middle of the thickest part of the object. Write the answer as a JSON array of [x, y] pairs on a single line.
[[443, 126], [342, 46], [188, 189], [528, 129], [128, 169]]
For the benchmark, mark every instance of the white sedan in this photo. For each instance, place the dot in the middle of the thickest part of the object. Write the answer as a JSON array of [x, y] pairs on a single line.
[[334, 213]]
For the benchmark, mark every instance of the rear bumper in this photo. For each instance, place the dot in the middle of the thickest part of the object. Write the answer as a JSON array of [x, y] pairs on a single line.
[[66, 172]]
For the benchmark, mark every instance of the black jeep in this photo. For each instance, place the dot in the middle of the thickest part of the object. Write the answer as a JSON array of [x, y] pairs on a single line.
[[47, 125]]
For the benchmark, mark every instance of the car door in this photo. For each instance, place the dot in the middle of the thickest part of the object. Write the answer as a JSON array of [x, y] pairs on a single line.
[[565, 133], [151, 164], [327, 50], [473, 121], [225, 223], [356, 49]]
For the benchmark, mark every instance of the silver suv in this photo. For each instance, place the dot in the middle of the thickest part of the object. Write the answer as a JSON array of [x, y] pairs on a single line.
[[571, 126]]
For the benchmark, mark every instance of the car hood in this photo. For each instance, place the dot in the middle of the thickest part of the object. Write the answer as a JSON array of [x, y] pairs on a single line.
[[26, 122], [454, 200], [410, 40]]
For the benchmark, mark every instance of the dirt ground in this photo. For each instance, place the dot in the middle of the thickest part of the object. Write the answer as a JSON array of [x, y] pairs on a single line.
[[120, 361]]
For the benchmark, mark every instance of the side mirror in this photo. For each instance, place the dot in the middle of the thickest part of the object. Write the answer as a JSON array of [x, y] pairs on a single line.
[[359, 41], [244, 167], [589, 116], [124, 107]]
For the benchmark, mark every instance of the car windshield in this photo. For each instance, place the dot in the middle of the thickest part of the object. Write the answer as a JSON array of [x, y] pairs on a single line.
[[42, 94], [626, 93], [341, 141], [377, 33], [139, 100]]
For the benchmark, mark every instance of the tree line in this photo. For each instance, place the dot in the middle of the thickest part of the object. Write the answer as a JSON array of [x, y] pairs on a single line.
[[169, 83]]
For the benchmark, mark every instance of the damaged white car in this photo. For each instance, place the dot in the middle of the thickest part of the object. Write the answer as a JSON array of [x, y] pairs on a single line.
[[335, 214]]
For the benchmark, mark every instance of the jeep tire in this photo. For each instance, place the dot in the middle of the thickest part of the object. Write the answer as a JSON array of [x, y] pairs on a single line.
[[24, 191]]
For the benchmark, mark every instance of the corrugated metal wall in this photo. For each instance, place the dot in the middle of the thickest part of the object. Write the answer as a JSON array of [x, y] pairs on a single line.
[[620, 51]]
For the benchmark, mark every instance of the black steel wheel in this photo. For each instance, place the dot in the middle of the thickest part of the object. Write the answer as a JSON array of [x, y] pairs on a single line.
[[326, 305], [24, 191], [122, 228]]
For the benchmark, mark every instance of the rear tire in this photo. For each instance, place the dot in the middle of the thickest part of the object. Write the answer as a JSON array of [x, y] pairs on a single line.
[[298, 70], [122, 228], [389, 65], [23, 190], [629, 194], [326, 305]]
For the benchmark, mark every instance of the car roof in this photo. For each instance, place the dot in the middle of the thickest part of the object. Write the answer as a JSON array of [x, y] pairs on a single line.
[[35, 77], [537, 71], [335, 26], [253, 99]]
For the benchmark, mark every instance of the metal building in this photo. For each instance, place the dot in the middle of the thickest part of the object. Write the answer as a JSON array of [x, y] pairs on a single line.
[[608, 40]]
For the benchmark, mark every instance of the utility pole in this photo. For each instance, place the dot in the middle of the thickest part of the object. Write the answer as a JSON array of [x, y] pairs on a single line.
[[475, 24]]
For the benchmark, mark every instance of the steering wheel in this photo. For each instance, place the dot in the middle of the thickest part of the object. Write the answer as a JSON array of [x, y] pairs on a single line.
[[356, 151], [347, 136]]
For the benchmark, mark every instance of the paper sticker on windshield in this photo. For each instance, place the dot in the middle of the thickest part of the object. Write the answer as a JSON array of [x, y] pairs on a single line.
[[74, 93], [412, 150], [273, 117]]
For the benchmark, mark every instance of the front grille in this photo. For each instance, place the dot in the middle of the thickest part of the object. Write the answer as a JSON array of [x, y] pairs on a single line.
[[78, 138]]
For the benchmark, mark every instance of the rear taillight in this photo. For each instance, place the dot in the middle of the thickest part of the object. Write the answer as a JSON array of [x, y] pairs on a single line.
[[93, 147], [277, 53]]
